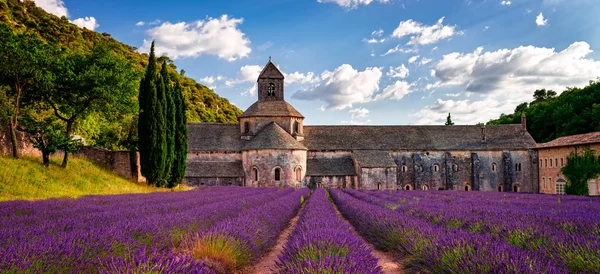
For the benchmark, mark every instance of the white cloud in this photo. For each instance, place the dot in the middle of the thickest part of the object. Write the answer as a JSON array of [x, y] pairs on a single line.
[[400, 49], [373, 40], [250, 91], [540, 21], [249, 73], [463, 112], [266, 45], [359, 113], [357, 123], [423, 34], [507, 77], [87, 22], [214, 36], [153, 23], [453, 94], [413, 59], [343, 87], [398, 72], [506, 3], [209, 80], [395, 91], [56, 7], [301, 78], [377, 33], [486, 28], [352, 3], [425, 61]]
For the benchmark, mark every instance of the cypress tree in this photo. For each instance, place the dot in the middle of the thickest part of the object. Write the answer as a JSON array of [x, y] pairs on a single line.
[[170, 113], [150, 115], [181, 143], [160, 131]]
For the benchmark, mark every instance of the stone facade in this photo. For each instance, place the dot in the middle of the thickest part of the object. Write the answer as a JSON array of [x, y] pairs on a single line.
[[271, 146], [553, 156]]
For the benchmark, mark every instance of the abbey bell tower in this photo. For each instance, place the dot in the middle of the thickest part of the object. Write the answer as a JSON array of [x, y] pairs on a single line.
[[270, 83]]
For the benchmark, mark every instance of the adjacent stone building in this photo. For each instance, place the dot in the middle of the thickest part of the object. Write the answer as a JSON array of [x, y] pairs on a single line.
[[553, 156], [272, 147]]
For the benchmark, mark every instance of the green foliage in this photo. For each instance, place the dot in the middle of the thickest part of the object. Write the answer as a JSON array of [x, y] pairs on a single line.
[[579, 170], [170, 113], [47, 136], [449, 120], [25, 17], [151, 124], [575, 111], [181, 141]]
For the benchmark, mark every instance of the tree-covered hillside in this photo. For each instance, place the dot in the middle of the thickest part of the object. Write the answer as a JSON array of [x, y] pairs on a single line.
[[575, 111], [202, 103]]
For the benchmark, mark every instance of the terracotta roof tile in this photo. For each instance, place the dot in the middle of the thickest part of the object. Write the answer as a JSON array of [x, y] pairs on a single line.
[[374, 158], [580, 139], [272, 136], [271, 109]]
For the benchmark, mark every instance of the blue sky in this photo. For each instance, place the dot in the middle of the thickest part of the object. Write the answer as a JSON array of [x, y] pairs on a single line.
[[366, 61]]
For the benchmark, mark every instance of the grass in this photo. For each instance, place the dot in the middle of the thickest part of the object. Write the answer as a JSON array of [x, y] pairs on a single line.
[[27, 179]]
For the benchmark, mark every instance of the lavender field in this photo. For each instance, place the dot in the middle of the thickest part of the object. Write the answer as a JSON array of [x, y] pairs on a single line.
[[229, 229]]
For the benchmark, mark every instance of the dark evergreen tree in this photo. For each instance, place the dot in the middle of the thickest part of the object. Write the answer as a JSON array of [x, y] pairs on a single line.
[[160, 120], [449, 120], [181, 143], [170, 113], [151, 121]]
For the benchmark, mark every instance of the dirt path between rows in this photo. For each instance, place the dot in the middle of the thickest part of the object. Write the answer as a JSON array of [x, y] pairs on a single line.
[[384, 259], [267, 263]]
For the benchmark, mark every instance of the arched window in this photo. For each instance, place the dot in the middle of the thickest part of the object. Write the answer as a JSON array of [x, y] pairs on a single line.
[[246, 127], [518, 166], [298, 174], [454, 167], [436, 168], [544, 181], [407, 187], [278, 174], [378, 186], [546, 162], [516, 188], [425, 187], [467, 188], [556, 162], [255, 174], [271, 89], [562, 163], [500, 188], [296, 126], [494, 167], [404, 168]]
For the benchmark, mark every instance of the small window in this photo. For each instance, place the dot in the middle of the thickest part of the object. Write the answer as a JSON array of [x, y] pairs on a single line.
[[493, 167], [404, 168], [516, 188], [500, 188], [246, 127], [562, 163], [278, 174], [425, 187], [560, 188], [544, 182], [298, 174], [467, 188], [271, 89], [556, 162], [379, 186], [296, 126], [454, 167], [546, 162], [518, 166], [407, 187], [255, 174], [436, 167]]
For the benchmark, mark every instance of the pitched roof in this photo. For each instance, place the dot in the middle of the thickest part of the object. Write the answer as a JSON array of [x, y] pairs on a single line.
[[272, 136], [214, 169], [498, 137], [214, 137], [579, 139], [271, 109], [342, 166], [374, 158], [270, 71]]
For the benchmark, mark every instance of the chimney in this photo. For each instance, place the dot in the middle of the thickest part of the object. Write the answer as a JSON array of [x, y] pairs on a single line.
[[524, 121], [483, 133]]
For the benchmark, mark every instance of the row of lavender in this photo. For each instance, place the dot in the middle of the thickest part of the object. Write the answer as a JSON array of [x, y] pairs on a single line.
[[118, 232], [321, 242], [565, 230], [435, 248]]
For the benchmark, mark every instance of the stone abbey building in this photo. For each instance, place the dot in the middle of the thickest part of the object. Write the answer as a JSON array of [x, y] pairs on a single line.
[[271, 147]]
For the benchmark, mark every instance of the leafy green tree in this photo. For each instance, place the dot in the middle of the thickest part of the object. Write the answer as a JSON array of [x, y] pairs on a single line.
[[170, 122], [541, 95], [151, 129], [86, 83], [181, 134], [23, 63], [47, 135], [579, 170], [449, 120]]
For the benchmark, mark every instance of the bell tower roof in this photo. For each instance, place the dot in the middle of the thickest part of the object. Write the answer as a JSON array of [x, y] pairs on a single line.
[[270, 71]]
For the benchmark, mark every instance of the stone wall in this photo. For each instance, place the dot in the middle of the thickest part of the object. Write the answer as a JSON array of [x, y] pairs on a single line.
[[330, 182], [120, 162], [24, 145], [267, 160], [195, 181], [378, 178], [551, 160]]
